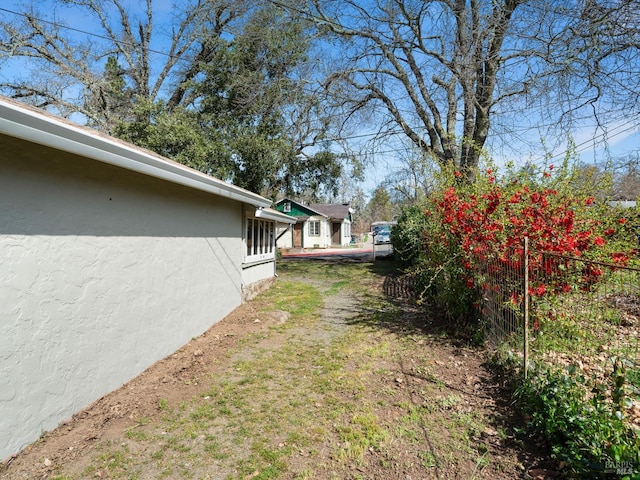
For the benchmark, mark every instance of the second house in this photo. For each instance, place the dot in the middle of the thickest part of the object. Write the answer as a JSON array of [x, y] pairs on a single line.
[[319, 225]]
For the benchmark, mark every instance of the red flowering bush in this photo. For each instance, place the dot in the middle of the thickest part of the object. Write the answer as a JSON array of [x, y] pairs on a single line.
[[422, 246], [489, 220], [472, 248], [466, 233]]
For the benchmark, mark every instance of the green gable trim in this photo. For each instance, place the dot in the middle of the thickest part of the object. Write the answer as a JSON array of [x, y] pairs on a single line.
[[297, 210]]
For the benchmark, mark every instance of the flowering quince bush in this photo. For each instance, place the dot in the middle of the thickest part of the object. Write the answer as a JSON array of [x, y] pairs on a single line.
[[422, 247], [419, 247], [489, 220], [472, 241], [463, 228]]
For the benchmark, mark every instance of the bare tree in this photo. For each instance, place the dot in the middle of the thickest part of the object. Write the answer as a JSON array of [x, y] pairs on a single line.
[[626, 178], [448, 73], [73, 72]]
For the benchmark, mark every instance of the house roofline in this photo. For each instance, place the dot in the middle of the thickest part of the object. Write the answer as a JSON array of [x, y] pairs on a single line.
[[270, 214], [307, 207], [27, 123]]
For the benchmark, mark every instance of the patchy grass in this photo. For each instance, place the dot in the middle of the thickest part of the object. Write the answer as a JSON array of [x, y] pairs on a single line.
[[349, 386]]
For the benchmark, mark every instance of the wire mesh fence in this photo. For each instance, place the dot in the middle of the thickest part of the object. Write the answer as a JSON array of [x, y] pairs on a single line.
[[586, 306], [578, 315], [502, 283], [589, 322]]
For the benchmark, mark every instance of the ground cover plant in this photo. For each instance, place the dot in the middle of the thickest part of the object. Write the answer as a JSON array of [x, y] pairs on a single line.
[[324, 376], [587, 433]]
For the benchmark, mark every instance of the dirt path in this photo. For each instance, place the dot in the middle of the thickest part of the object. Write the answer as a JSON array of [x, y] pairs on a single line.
[[322, 377]]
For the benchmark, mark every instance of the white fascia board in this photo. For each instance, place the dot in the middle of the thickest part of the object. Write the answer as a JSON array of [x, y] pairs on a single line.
[[28, 124], [271, 214]]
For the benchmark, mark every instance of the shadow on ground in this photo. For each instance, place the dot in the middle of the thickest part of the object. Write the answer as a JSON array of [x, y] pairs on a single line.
[[461, 367]]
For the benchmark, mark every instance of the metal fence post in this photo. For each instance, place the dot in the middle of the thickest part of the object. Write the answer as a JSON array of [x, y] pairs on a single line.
[[526, 306], [373, 245]]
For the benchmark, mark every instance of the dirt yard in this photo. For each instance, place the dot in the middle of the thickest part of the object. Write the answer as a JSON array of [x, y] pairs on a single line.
[[322, 377]]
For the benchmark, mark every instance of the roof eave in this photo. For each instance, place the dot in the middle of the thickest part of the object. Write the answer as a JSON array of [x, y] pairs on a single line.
[[306, 207], [28, 124], [270, 214]]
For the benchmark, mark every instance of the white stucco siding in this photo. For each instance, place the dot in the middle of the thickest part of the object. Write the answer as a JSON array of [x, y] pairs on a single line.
[[102, 273], [284, 235], [345, 230], [256, 277], [317, 241]]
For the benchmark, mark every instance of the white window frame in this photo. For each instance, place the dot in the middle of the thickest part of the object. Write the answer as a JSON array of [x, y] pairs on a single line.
[[311, 230], [259, 240]]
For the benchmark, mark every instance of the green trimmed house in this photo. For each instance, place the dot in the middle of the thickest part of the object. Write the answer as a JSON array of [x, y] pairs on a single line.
[[319, 225]]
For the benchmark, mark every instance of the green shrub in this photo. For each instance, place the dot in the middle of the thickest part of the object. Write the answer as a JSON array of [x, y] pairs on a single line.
[[586, 432], [408, 235], [421, 246]]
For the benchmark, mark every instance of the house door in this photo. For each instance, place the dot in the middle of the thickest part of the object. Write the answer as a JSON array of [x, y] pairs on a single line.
[[297, 235], [335, 233]]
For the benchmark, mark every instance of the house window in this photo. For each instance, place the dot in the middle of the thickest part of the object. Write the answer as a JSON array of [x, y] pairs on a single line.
[[272, 231], [314, 228], [259, 240], [286, 207]]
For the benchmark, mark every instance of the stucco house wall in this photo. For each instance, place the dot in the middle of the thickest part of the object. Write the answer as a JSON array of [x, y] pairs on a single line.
[[284, 235], [316, 241], [103, 271]]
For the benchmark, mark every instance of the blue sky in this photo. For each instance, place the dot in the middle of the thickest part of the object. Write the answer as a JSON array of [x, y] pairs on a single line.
[[622, 139], [593, 145], [76, 18]]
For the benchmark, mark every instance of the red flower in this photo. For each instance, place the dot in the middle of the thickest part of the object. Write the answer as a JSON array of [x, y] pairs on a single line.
[[588, 200], [622, 221], [619, 257], [539, 290], [599, 241], [457, 174], [489, 171]]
